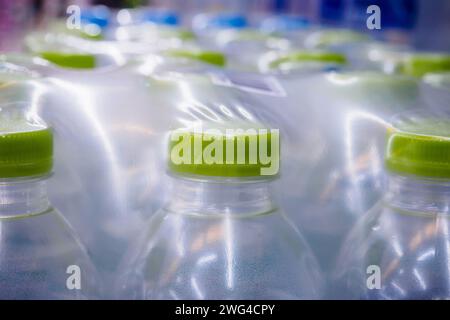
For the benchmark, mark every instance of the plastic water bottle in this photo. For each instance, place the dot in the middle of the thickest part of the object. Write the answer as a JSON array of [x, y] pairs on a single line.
[[220, 235], [340, 175], [40, 256], [398, 250]]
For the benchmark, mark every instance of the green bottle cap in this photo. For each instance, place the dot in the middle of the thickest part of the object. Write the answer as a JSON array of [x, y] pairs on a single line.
[[420, 148], [70, 60], [210, 57], [26, 149], [223, 153], [308, 56], [417, 65]]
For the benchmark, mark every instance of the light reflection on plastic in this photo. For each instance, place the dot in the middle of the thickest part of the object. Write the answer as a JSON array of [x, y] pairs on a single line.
[[426, 255], [355, 117], [88, 107], [419, 278], [398, 288], [196, 288], [229, 242], [207, 259], [342, 80]]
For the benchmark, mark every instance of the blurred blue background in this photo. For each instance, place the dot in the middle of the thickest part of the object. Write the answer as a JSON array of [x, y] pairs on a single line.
[[423, 23]]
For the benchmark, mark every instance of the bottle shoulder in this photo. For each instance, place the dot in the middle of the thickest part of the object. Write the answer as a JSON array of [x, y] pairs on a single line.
[[228, 257], [403, 245]]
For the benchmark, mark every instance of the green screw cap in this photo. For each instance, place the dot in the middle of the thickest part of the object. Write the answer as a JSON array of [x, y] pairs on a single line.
[[252, 153], [210, 57], [417, 65], [70, 60], [420, 148], [309, 56], [25, 154]]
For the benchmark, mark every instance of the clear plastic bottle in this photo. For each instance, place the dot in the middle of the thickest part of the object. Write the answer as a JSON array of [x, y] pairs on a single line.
[[340, 176], [40, 256], [220, 235], [399, 249]]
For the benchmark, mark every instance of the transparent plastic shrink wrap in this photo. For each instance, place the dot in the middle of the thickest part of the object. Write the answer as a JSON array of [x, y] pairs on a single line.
[[327, 38], [295, 62], [193, 59], [105, 122], [156, 36], [363, 52], [105, 155], [70, 51], [42, 258], [433, 70], [87, 111], [372, 55], [435, 89], [398, 249], [22, 63], [16, 82], [292, 27], [253, 43], [333, 164], [219, 233], [109, 127]]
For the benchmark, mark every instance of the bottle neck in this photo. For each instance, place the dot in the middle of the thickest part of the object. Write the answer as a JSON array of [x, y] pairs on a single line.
[[239, 196], [22, 196], [419, 195]]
